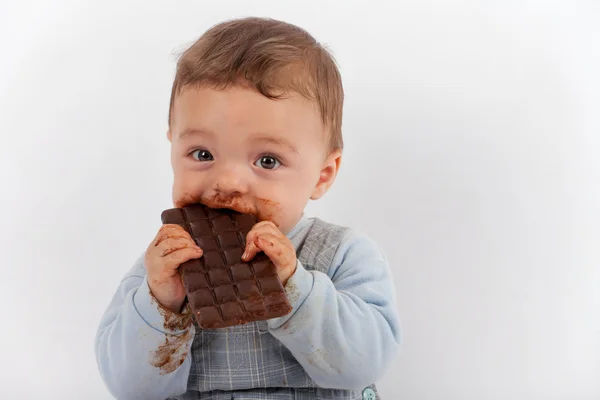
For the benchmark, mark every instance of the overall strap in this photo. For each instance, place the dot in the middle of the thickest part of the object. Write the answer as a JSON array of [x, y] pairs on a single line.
[[317, 253], [320, 245]]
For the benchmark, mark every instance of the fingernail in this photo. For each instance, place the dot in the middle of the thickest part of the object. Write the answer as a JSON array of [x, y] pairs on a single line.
[[245, 255]]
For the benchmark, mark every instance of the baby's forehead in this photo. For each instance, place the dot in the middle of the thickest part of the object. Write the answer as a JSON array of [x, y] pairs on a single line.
[[241, 105]]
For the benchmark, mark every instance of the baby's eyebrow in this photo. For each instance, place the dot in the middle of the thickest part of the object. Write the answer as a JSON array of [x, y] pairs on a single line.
[[194, 132], [278, 141]]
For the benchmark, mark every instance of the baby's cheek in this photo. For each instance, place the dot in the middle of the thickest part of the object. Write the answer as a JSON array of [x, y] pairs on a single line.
[[268, 210], [185, 190], [183, 198]]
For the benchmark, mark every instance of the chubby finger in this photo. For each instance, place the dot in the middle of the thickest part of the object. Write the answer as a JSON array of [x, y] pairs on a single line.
[[170, 231], [281, 252], [274, 247], [253, 246], [173, 260], [170, 245], [250, 251], [261, 228]]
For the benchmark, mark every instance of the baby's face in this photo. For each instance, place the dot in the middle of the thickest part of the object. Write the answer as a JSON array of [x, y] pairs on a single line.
[[237, 149]]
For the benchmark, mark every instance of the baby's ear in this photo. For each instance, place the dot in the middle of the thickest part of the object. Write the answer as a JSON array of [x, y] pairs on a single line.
[[327, 175], [169, 136]]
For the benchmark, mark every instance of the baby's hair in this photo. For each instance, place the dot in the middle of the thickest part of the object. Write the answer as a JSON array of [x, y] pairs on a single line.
[[272, 56]]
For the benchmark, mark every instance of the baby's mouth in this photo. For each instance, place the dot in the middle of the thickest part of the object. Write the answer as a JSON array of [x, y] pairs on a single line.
[[267, 211], [235, 204]]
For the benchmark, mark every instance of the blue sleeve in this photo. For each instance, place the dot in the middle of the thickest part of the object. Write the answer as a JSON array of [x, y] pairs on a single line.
[[344, 328], [142, 349]]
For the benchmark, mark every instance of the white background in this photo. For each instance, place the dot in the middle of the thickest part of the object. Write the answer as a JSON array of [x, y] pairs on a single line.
[[473, 137]]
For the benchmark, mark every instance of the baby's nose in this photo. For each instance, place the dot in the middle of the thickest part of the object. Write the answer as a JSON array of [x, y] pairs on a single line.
[[231, 180]]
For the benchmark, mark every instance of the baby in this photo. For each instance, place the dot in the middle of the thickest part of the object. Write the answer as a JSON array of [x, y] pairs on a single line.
[[255, 126]]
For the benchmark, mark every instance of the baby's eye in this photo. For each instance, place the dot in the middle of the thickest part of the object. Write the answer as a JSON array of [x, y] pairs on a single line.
[[202, 155], [267, 162]]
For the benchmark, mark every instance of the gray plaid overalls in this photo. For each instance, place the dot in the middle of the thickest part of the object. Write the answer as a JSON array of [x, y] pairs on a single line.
[[226, 362]]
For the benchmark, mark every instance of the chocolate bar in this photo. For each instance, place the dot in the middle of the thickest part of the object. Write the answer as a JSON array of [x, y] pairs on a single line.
[[223, 290]]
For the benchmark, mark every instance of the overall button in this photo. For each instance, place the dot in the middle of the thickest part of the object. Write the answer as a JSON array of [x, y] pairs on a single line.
[[369, 394]]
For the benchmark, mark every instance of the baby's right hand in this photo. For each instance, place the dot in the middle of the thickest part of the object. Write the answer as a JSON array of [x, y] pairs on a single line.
[[171, 247]]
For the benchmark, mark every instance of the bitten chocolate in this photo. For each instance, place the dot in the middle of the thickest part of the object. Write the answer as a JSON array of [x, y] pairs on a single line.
[[222, 289]]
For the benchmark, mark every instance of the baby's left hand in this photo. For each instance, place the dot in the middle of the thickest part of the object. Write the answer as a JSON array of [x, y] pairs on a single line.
[[266, 237]]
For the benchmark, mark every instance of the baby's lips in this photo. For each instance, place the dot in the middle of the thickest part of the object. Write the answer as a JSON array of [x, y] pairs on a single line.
[[230, 205]]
